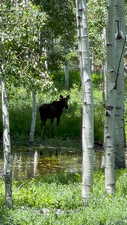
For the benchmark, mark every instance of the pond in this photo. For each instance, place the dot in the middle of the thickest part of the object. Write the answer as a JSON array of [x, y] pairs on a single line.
[[33, 163]]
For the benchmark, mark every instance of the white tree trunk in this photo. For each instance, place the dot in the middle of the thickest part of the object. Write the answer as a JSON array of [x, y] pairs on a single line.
[[45, 53], [78, 15], [33, 121], [25, 3], [119, 85], [110, 100], [66, 75], [87, 105], [6, 148]]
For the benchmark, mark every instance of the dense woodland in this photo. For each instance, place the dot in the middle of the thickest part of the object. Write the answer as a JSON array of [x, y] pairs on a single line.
[[63, 84]]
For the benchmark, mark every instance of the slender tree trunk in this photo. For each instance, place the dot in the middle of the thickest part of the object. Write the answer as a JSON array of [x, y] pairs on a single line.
[[33, 121], [78, 16], [87, 105], [6, 148], [119, 85], [110, 100], [45, 54], [66, 75], [104, 67], [43, 48], [25, 3]]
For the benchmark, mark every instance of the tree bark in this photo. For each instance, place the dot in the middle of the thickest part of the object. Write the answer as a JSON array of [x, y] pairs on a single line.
[[87, 102], [110, 100], [78, 16], [6, 148], [33, 121], [66, 75], [119, 85]]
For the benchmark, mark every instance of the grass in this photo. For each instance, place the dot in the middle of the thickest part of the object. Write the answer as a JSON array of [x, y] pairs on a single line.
[[70, 124], [56, 200]]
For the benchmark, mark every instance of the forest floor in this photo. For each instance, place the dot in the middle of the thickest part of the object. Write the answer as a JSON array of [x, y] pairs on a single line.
[[55, 199]]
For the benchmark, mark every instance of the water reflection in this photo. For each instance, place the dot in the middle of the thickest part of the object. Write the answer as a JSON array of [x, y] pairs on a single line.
[[25, 164], [34, 163]]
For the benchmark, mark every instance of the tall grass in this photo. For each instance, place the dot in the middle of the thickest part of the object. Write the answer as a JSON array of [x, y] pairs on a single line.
[[20, 103]]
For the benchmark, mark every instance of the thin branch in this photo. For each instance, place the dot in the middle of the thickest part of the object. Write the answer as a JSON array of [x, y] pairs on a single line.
[[117, 73]]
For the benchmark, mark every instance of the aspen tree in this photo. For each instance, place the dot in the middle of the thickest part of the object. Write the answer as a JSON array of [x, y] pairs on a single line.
[[120, 42], [110, 100], [87, 101]]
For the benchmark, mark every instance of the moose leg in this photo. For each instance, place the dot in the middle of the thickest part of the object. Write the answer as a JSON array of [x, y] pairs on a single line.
[[43, 127], [51, 128], [58, 120]]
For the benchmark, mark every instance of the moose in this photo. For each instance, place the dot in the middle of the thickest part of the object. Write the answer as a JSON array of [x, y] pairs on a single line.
[[53, 110]]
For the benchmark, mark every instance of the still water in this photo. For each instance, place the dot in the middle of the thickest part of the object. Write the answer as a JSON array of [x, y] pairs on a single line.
[[28, 164]]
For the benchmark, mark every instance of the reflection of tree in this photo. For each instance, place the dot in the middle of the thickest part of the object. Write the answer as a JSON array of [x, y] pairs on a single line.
[[25, 164], [35, 163], [17, 165]]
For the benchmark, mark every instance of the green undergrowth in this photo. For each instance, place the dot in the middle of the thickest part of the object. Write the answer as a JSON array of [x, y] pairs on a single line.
[[55, 199], [20, 112]]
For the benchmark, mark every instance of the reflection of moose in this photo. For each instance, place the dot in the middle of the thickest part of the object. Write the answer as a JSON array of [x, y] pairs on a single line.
[[53, 110]]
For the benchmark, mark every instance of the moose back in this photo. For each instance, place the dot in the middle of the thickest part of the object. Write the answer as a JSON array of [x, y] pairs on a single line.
[[53, 110]]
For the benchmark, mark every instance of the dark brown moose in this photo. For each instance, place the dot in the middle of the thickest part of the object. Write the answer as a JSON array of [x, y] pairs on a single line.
[[53, 110]]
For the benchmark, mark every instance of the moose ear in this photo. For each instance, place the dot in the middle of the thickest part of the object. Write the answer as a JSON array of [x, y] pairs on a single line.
[[61, 97]]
